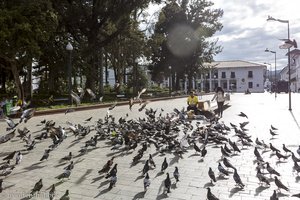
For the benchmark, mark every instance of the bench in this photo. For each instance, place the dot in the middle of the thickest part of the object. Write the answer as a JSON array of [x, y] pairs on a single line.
[[121, 97], [206, 105], [60, 100]]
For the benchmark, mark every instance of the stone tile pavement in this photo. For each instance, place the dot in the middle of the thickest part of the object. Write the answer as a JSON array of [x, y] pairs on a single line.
[[85, 183]]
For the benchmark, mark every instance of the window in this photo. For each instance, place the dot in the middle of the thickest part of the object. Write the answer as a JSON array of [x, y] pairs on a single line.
[[232, 75], [223, 74], [250, 85], [257, 85], [250, 74]]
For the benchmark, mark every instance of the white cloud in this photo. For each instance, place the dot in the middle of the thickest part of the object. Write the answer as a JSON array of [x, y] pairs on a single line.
[[246, 32]]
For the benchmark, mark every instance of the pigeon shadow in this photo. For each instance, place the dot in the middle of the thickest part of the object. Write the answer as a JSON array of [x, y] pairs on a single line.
[[59, 165], [27, 198], [139, 195], [104, 183], [97, 179], [159, 174], [174, 185], [73, 143], [221, 177], [83, 177], [297, 179], [162, 196], [175, 159], [201, 160], [259, 189], [138, 178], [209, 184], [194, 154], [279, 162], [102, 192], [234, 190], [273, 138], [280, 194]]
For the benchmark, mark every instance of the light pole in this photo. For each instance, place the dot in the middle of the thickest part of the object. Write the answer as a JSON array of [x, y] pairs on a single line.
[[185, 85], [69, 48], [289, 60], [275, 80], [215, 83], [135, 76], [170, 80]]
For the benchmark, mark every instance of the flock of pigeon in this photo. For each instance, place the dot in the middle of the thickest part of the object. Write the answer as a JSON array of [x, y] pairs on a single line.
[[166, 132]]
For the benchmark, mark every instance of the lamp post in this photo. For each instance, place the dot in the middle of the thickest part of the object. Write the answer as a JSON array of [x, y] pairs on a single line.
[[69, 48], [289, 60], [170, 80], [215, 81], [135, 76], [275, 80]]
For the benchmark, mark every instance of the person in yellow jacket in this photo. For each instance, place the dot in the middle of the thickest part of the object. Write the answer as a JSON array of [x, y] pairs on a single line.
[[192, 102]]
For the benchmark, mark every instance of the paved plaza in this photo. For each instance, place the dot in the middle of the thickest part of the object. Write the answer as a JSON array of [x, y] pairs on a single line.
[[262, 110]]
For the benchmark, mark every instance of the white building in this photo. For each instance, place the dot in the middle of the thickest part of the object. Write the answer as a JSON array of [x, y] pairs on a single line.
[[295, 71], [236, 75]]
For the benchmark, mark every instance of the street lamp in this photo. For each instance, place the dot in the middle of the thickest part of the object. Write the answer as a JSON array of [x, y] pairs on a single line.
[[289, 61], [69, 48], [185, 85], [170, 80], [135, 76], [215, 85], [275, 80]]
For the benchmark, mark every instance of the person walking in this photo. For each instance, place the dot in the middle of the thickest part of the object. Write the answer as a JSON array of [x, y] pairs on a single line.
[[220, 98], [192, 102]]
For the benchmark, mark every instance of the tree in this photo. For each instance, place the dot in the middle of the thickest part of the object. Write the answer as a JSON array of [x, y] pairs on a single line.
[[23, 27], [179, 39]]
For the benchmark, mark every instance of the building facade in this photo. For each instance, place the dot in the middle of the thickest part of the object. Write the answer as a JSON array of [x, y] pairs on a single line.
[[236, 76]]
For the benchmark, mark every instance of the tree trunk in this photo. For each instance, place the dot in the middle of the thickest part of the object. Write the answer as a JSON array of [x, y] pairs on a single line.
[[3, 81], [19, 87]]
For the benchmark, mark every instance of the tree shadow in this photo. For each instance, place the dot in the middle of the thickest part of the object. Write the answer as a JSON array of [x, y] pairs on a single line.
[[280, 194], [159, 174], [259, 189], [139, 195], [175, 159], [234, 190]]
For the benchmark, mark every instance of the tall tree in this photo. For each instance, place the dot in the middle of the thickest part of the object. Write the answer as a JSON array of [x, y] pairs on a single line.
[[180, 37], [23, 27]]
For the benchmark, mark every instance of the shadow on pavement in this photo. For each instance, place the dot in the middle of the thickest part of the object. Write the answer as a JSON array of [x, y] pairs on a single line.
[[83, 177], [295, 120], [259, 189], [139, 195], [234, 191]]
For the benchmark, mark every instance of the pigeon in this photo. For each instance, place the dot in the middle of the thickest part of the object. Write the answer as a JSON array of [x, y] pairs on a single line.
[[298, 150], [7, 171], [224, 153], [271, 170], [91, 93], [273, 133], [243, 115], [52, 192], [227, 149], [69, 110], [113, 179], [65, 196], [273, 148], [274, 196], [10, 156], [197, 149], [237, 179], [210, 195], [164, 165], [147, 182], [296, 195], [5, 165], [279, 184], [65, 174], [107, 166], [131, 102], [8, 136], [262, 178], [273, 128], [295, 159], [11, 124], [68, 157], [27, 114], [88, 119], [227, 163], [279, 155], [37, 187], [1, 187], [211, 175], [140, 93], [19, 157], [75, 98], [235, 147], [46, 155], [222, 170], [257, 154], [151, 161], [69, 166], [296, 167], [176, 174], [112, 172], [167, 183], [146, 167], [286, 150]]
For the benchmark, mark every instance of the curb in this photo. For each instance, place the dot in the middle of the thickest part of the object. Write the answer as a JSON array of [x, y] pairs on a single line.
[[104, 105]]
